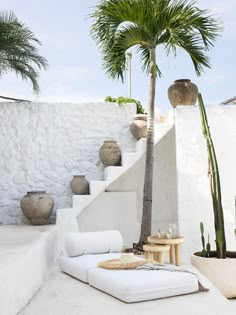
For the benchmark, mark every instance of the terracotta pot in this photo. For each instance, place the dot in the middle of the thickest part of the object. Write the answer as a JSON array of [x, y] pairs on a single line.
[[37, 207], [221, 272], [138, 127], [79, 185], [110, 153], [182, 92]]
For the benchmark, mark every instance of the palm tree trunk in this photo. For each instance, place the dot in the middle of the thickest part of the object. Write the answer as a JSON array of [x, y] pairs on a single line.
[[146, 224]]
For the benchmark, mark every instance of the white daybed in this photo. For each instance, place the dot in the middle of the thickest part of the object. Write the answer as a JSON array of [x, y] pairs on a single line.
[[86, 250]]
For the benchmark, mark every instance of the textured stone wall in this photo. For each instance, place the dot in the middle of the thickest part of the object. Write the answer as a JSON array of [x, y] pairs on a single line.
[[194, 198], [42, 145]]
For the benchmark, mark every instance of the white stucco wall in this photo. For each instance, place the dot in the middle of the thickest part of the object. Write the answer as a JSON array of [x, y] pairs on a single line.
[[194, 199], [42, 145], [164, 209]]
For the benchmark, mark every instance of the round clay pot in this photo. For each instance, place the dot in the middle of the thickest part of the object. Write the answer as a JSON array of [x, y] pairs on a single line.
[[37, 207], [182, 92], [221, 272], [79, 185], [110, 153], [138, 127]]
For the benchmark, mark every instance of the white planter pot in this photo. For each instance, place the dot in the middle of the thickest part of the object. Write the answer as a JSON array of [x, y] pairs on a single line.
[[221, 272]]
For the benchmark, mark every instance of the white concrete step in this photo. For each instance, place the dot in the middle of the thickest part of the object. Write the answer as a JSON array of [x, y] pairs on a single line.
[[141, 145], [160, 131], [129, 159], [28, 254], [112, 172], [80, 202], [97, 186]]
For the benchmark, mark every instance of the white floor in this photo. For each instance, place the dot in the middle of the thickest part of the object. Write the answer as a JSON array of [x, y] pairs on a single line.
[[64, 295]]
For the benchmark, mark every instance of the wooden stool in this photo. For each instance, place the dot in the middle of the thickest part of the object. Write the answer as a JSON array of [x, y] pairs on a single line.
[[174, 244], [155, 252]]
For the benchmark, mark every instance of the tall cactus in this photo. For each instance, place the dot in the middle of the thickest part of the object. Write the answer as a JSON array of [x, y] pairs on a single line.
[[203, 252], [215, 187]]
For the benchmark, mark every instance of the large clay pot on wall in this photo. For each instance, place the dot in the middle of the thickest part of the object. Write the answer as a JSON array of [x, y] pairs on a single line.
[[138, 127], [110, 153], [183, 92], [79, 185], [37, 207]]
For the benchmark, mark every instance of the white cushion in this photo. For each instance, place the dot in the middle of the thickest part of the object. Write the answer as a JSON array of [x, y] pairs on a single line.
[[78, 267], [139, 285], [78, 244]]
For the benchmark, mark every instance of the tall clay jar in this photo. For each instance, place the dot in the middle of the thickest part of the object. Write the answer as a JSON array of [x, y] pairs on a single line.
[[37, 207], [110, 153], [182, 92], [79, 185], [138, 127]]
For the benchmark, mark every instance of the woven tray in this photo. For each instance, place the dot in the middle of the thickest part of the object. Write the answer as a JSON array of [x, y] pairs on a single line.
[[116, 264]]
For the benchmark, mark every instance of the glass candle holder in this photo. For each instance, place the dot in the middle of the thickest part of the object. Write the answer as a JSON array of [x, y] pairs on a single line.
[[160, 234], [172, 231]]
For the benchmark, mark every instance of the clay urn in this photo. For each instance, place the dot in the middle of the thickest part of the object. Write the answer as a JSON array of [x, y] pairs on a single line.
[[110, 153], [79, 185], [183, 92], [37, 207], [138, 127]]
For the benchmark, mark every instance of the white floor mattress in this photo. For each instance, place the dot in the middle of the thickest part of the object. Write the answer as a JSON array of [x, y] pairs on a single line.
[[78, 267], [139, 285], [128, 285]]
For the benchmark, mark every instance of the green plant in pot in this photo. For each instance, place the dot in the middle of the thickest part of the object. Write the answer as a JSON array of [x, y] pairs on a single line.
[[124, 100], [138, 127], [214, 264]]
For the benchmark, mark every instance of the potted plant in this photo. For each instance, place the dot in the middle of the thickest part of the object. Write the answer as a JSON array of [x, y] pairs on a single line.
[[138, 127], [218, 266]]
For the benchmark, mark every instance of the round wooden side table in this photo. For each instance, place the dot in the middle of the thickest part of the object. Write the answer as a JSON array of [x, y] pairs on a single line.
[[155, 252], [174, 246]]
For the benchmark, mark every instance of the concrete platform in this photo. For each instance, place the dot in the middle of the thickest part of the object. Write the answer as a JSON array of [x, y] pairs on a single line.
[[27, 255], [64, 295]]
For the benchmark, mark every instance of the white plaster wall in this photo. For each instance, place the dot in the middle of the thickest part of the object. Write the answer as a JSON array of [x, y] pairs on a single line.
[[194, 199], [42, 145], [164, 209], [111, 211]]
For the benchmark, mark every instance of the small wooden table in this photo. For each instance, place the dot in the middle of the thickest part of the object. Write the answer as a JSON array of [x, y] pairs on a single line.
[[174, 246], [155, 252]]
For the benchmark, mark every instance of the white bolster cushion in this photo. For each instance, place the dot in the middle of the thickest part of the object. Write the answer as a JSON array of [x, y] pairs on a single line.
[[78, 244]]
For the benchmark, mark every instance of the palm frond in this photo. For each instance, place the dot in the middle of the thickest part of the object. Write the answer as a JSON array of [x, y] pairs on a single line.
[[145, 60], [18, 52], [125, 38], [121, 24]]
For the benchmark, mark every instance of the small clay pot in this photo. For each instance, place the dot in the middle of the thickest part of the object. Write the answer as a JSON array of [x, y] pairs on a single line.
[[138, 127], [183, 92], [79, 185], [37, 207], [110, 153]]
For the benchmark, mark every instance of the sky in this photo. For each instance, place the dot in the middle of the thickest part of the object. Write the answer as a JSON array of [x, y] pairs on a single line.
[[75, 71]]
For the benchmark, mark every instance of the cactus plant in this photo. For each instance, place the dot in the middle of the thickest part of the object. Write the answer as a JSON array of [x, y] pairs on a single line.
[[203, 252], [215, 186], [208, 247]]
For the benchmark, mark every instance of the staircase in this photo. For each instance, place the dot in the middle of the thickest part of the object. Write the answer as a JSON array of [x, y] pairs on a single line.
[[112, 203]]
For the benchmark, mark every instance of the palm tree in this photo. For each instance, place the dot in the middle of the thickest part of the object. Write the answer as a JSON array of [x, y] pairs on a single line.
[[17, 50], [121, 24]]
